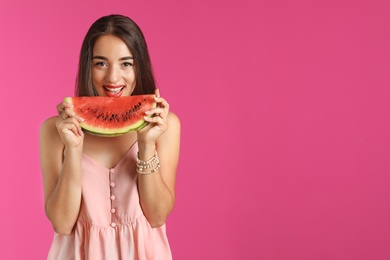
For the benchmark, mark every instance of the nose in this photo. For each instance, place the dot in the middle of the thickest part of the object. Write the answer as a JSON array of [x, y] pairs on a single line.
[[113, 74]]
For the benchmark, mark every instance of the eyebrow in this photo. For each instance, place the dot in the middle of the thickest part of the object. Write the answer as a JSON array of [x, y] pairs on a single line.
[[104, 58]]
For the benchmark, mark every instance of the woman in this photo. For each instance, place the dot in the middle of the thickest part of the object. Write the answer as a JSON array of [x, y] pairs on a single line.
[[100, 204]]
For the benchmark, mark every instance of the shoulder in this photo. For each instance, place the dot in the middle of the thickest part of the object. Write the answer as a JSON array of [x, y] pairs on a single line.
[[174, 126], [173, 120], [49, 133], [49, 125], [172, 134], [49, 121]]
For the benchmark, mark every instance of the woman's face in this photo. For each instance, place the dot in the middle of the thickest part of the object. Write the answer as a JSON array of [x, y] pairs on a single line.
[[113, 72]]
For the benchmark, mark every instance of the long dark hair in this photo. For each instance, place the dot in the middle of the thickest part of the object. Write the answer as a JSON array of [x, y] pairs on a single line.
[[127, 30]]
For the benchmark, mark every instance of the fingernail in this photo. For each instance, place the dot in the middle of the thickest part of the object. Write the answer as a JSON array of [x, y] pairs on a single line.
[[147, 112], [81, 119]]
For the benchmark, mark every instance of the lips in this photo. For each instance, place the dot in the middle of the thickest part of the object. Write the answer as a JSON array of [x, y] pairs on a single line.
[[113, 91]]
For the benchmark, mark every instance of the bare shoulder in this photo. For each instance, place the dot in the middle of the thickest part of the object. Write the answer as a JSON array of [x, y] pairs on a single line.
[[49, 134], [48, 127], [173, 131], [173, 120], [51, 121], [171, 136]]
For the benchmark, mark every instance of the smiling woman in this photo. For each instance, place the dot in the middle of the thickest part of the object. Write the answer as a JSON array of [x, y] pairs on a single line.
[[109, 197]]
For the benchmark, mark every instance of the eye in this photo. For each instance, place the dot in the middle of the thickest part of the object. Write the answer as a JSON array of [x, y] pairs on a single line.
[[101, 64], [127, 64]]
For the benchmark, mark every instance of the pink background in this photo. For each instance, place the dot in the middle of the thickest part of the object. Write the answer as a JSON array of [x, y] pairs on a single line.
[[285, 114]]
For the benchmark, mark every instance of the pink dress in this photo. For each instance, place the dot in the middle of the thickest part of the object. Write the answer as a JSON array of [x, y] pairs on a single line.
[[111, 224]]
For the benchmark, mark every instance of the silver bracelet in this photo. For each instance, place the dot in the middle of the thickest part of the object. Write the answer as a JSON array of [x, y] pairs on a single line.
[[148, 166]]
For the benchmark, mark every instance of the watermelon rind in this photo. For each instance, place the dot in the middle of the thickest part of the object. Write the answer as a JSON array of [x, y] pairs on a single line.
[[95, 131], [144, 123], [111, 132]]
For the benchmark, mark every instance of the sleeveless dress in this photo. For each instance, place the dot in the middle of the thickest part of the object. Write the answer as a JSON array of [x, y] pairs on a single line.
[[111, 224]]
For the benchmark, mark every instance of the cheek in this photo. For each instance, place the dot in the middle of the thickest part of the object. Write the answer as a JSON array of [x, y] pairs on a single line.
[[96, 75], [130, 74]]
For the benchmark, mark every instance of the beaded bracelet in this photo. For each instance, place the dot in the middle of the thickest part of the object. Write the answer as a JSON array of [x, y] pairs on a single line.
[[151, 165]]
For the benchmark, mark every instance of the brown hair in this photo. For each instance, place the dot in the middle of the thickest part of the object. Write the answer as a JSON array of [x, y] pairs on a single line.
[[127, 30]]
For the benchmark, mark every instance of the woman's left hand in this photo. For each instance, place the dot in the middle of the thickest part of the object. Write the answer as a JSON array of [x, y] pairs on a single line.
[[157, 119]]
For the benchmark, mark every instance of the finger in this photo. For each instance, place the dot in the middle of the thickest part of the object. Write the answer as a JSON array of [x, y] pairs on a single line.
[[70, 126], [157, 92], [161, 102], [80, 131], [63, 115], [67, 108], [166, 105], [62, 106], [158, 111], [157, 120], [74, 124], [74, 130], [70, 113]]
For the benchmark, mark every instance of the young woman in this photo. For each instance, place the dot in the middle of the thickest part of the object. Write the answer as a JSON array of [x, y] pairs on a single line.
[[101, 205]]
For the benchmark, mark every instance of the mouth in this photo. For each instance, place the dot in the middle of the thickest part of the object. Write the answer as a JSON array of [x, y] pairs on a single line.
[[113, 91]]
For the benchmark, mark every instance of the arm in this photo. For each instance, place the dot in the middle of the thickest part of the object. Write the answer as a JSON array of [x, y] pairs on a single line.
[[61, 170], [157, 189]]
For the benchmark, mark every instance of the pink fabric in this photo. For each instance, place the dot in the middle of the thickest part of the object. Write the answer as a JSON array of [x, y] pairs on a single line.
[[111, 224]]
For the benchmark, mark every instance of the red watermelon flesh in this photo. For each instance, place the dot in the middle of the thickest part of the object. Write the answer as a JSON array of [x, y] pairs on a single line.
[[112, 116]]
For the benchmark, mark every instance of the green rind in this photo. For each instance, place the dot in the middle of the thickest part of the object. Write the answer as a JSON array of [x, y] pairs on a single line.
[[68, 99], [135, 127], [116, 134]]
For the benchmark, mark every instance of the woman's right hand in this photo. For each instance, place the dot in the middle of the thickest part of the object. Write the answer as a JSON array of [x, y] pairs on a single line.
[[68, 125]]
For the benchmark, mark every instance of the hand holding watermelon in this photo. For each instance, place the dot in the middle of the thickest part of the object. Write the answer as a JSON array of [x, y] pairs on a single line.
[[68, 126], [157, 119]]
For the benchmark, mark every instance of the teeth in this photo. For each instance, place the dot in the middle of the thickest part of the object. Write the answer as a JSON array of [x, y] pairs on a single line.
[[114, 90]]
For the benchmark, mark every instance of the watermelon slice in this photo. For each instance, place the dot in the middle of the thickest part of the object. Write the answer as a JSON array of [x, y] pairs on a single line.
[[112, 116]]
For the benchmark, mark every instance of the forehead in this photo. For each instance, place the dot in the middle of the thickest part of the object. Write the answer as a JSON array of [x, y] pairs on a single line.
[[110, 45]]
